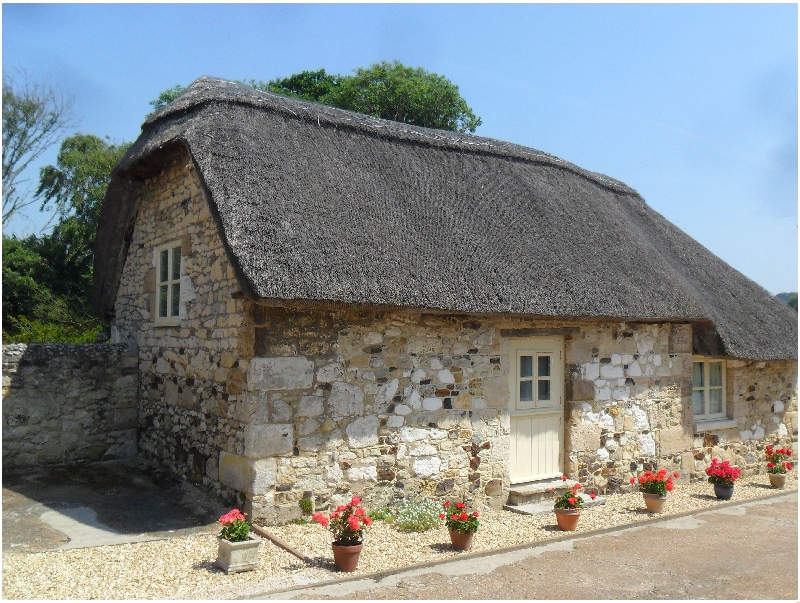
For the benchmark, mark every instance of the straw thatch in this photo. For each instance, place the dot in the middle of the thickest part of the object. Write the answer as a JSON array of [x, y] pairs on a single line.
[[316, 203]]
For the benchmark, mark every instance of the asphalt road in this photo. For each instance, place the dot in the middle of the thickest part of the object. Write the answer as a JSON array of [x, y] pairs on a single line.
[[745, 551]]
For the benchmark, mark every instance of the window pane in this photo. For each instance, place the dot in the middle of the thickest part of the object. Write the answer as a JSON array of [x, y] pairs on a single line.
[[162, 300], [176, 297], [715, 374], [176, 263], [526, 391], [526, 366], [163, 274], [698, 405], [544, 389], [544, 366], [715, 401], [697, 374]]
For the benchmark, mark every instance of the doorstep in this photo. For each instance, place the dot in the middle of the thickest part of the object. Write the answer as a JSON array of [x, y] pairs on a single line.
[[535, 492], [546, 506]]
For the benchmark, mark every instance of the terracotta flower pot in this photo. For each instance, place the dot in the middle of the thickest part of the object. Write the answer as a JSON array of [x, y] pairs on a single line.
[[235, 557], [567, 518], [723, 492], [778, 480], [346, 556], [654, 502], [461, 540]]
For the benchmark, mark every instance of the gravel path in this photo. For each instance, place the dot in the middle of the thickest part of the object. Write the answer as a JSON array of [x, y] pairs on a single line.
[[182, 568]]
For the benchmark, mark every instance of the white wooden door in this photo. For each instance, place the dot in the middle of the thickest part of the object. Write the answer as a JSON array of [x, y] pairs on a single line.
[[536, 383]]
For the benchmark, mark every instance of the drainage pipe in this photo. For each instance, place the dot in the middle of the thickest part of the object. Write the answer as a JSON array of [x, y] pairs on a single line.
[[285, 546]]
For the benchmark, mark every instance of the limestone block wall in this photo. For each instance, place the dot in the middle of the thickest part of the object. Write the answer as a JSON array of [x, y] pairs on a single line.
[[630, 401], [379, 403], [630, 407], [68, 403], [191, 375]]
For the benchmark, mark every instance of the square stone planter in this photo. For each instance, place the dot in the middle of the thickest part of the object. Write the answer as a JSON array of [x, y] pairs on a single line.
[[235, 557]]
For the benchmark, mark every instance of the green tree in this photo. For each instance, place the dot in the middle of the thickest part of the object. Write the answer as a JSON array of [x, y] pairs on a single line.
[[34, 117], [77, 184], [388, 90], [315, 86], [793, 301], [47, 280], [32, 310], [166, 97]]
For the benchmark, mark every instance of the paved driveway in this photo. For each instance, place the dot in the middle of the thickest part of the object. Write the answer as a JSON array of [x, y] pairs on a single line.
[[744, 551]]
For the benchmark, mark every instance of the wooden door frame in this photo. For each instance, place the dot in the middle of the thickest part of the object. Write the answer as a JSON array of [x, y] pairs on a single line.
[[553, 344]]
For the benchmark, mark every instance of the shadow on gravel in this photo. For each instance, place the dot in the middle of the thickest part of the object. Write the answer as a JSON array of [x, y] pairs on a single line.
[[441, 547], [760, 486], [208, 566], [704, 497]]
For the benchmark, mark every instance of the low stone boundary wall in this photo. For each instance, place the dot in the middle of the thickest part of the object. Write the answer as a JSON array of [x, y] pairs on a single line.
[[66, 403]]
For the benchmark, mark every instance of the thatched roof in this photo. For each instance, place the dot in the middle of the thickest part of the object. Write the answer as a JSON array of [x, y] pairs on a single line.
[[316, 203]]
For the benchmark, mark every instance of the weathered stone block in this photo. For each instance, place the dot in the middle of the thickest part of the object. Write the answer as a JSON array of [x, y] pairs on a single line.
[[363, 432], [262, 441], [583, 437], [280, 373], [310, 406], [346, 400]]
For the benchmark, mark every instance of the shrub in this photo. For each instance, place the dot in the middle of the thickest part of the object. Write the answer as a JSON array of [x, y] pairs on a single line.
[[416, 514]]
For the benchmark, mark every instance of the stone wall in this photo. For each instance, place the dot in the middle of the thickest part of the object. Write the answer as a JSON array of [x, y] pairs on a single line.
[[68, 403], [191, 375], [630, 402], [630, 389], [762, 401], [379, 403]]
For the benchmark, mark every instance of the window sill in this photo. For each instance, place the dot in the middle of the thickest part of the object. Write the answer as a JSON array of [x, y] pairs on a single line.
[[714, 425]]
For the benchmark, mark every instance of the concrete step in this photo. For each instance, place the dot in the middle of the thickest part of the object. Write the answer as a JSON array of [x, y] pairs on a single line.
[[546, 506], [534, 492]]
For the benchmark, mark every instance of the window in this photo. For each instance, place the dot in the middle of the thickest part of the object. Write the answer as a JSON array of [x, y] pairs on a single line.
[[537, 379], [708, 389], [168, 288]]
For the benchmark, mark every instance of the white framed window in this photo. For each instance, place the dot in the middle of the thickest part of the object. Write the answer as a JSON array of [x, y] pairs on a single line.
[[536, 380], [168, 285], [708, 389]]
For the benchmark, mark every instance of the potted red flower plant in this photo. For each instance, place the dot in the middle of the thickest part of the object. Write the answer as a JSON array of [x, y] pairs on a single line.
[[237, 549], [347, 523], [654, 488], [568, 507], [777, 465], [722, 475], [461, 525]]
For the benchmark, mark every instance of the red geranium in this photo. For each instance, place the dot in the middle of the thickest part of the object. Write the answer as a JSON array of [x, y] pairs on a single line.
[[234, 526], [777, 460], [722, 474], [655, 483], [462, 521], [347, 522], [569, 499]]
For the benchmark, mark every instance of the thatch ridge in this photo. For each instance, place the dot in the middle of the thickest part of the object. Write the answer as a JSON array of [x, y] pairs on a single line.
[[315, 203], [208, 90]]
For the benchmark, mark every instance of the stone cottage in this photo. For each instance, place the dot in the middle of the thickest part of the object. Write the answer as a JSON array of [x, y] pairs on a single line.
[[325, 303]]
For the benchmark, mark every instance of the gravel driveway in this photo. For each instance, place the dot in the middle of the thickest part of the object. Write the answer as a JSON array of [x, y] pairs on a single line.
[[182, 567]]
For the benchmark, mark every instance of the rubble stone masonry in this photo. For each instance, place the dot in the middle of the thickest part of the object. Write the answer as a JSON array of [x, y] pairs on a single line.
[[68, 403]]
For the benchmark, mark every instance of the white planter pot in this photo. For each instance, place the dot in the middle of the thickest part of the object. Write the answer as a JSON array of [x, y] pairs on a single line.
[[235, 557]]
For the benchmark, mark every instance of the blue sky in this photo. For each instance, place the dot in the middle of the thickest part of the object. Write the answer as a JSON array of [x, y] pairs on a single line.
[[694, 106]]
